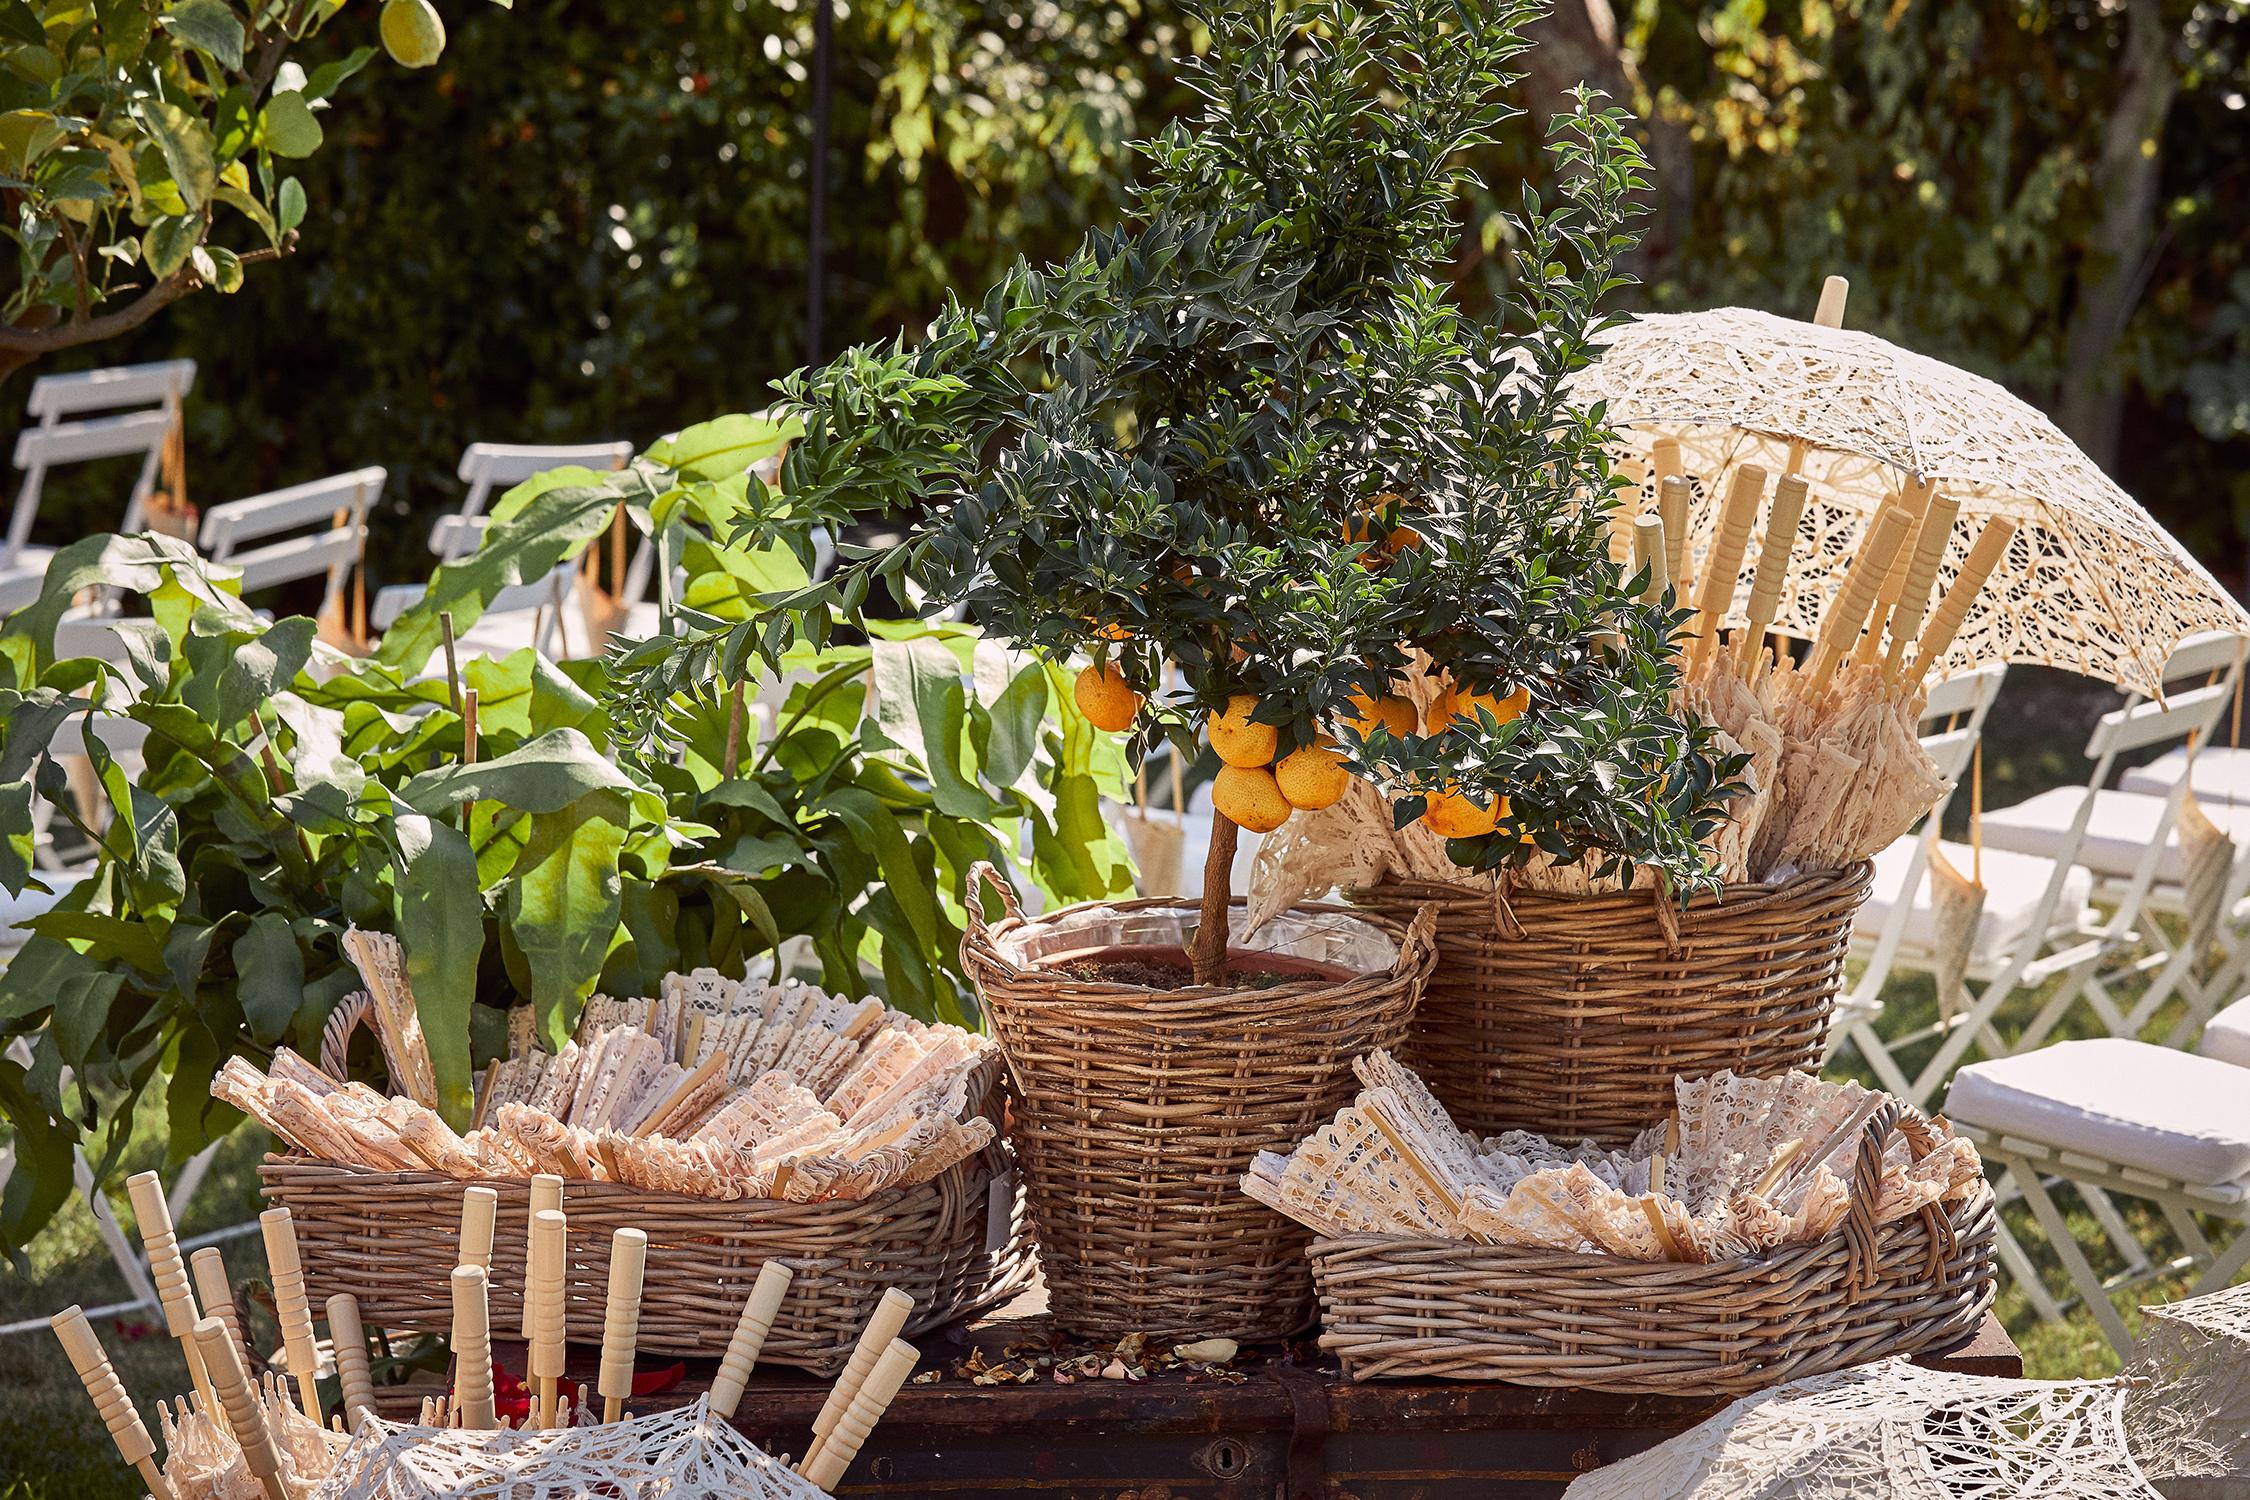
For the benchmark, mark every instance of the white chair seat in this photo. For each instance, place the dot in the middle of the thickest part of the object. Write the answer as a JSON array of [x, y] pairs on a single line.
[[29, 904], [2222, 774], [2013, 886], [2119, 831], [21, 581], [2226, 1036], [2131, 1103]]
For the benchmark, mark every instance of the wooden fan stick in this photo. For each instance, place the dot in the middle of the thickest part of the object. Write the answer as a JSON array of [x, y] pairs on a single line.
[[1775, 556], [548, 1256], [1930, 544], [1915, 497], [546, 1195], [480, 1206], [1649, 553], [1674, 501], [472, 1349], [1724, 565], [1937, 637], [153, 1217], [826, 1468], [118, 1414], [288, 1274], [749, 1336], [711, 1066], [621, 1320], [213, 1289], [1840, 631], [882, 1329], [348, 1336], [244, 1414]]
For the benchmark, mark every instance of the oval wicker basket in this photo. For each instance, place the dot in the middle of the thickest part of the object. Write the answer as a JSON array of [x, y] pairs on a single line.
[[1394, 1306], [955, 1244], [1570, 1016], [1138, 1110]]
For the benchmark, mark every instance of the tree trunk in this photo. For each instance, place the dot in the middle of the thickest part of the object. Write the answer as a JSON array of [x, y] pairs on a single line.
[[1210, 952], [1578, 42], [2091, 402]]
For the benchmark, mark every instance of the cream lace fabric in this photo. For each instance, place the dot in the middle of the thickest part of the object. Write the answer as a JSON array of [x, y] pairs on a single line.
[[2090, 583], [682, 1454], [2187, 1409], [202, 1460]]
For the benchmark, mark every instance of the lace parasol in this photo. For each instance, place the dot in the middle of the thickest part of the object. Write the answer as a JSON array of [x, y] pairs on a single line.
[[682, 1454], [2090, 581]]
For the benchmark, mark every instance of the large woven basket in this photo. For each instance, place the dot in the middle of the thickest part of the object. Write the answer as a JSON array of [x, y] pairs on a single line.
[[956, 1243], [1137, 1111], [1394, 1306], [1570, 1016]]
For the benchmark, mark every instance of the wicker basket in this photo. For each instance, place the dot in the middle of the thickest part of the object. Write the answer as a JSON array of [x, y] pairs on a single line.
[[1138, 1110], [955, 1244], [1571, 1015], [1393, 1306]]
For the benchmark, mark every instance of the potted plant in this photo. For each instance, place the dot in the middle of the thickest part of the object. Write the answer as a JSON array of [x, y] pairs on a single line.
[[1252, 437]]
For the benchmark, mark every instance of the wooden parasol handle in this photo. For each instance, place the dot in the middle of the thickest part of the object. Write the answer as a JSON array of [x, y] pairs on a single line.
[[472, 1349], [1775, 555], [348, 1335], [1937, 637], [480, 1210], [1675, 502], [153, 1217], [1650, 552], [1914, 498], [826, 1467], [214, 1290], [1839, 632], [749, 1336], [1930, 543], [621, 1320], [291, 1306], [1723, 567], [549, 1256], [546, 1195], [118, 1414], [881, 1331], [260, 1453]]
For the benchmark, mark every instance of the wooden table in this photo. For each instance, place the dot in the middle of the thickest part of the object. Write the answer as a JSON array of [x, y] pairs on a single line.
[[1296, 1429]]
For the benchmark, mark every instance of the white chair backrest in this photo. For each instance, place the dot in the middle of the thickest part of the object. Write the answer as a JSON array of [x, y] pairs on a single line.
[[1953, 718], [486, 467], [65, 433], [300, 532]]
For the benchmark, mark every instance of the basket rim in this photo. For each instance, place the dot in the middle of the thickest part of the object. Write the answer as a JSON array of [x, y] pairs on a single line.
[[1732, 898], [1965, 1214]]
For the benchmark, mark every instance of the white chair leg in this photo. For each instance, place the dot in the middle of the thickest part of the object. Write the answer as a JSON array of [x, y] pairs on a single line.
[[2225, 1268], [2081, 1272], [129, 1264], [2026, 1275], [2121, 1238]]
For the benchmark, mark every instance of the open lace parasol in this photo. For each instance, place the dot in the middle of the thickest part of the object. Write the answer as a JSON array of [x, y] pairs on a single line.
[[2172, 1427], [2090, 582]]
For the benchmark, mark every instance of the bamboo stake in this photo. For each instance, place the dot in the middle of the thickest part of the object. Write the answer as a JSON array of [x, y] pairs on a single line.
[[882, 1329], [546, 1193], [1723, 567], [1915, 497], [213, 1290], [1930, 544], [452, 661], [153, 1217], [1776, 554], [1650, 552], [348, 1336], [1937, 637], [825, 1468], [1840, 631], [621, 1320], [288, 1274], [730, 764], [749, 1336], [472, 1349], [118, 1414], [1674, 502], [468, 748], [479, 1207], [548, 1257], [260, 1454]]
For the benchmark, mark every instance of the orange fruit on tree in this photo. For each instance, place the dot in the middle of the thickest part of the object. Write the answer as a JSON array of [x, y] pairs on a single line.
[[1238, 741], [1457, 815], [1454, 702], [1393, 713], [1250, 796], [1106, 698], [1395, 539], [1312, 777], [1112, 632]]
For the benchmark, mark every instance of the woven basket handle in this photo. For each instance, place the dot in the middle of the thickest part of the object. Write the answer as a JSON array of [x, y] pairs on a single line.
[[353, 1012], [972, 894], [1419, 942], [1860, 1229]]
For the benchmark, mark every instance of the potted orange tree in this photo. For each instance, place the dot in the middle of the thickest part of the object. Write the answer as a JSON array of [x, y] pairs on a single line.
[[1252, 436]]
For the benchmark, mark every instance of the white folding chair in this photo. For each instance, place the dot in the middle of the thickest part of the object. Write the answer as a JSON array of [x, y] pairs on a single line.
[[305, 531], [2113, 1116], [540, 613], [138, 407]]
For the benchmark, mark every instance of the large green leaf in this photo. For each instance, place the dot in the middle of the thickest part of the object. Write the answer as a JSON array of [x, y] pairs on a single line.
[[1017, 715], [232, 673], [270, 975], [724, 447], [441, 925], [289, 127], [142, 564], [41, 1181], [879, 831], [564, 902], [187, 147], [208, 26], [524, 693], [544, 775]]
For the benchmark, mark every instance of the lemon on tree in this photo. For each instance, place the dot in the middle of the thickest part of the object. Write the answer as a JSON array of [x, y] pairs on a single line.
[[413, 32]]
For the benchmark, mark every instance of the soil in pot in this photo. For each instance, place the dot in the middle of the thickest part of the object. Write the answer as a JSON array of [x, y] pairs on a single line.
[[1151, 968]]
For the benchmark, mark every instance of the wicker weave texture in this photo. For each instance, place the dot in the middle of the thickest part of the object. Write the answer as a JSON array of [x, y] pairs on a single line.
[[1570, 1016], [1138, 1110], [1393, 1306], [391, 1239]]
